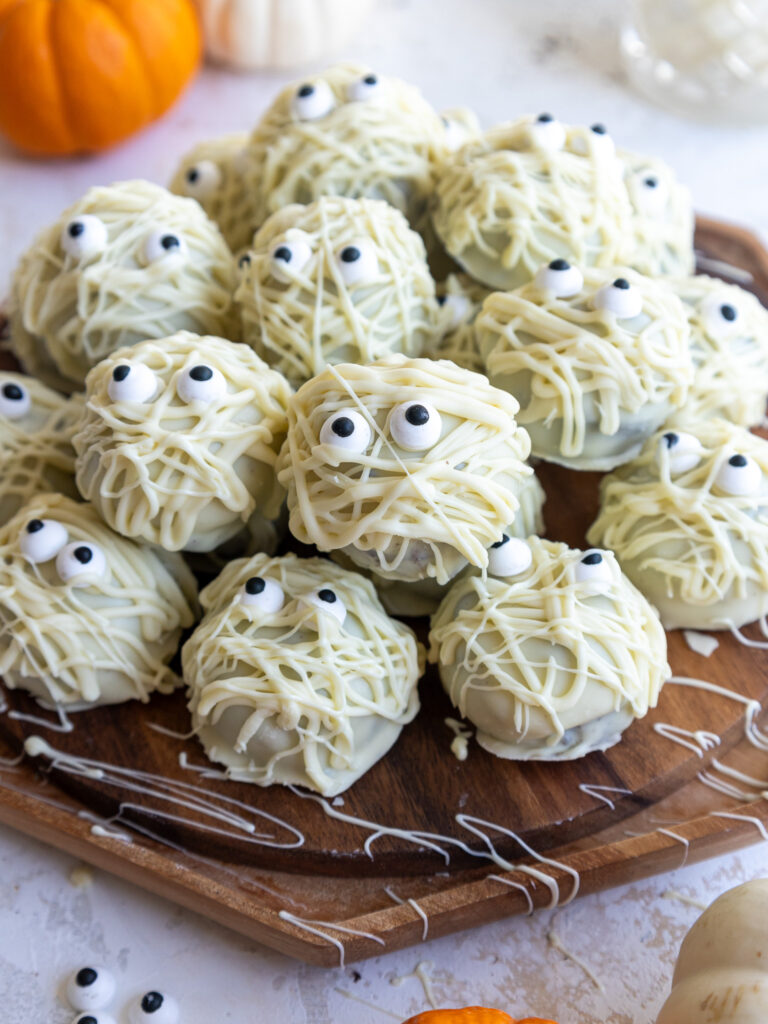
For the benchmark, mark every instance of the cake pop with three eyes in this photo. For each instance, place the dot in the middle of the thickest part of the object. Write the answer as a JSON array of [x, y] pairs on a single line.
[[410, 467], [126, 262], [340, 280], [297, 675], [215, 173], [36, 453], [530, 191], [598, 360], [552, 654], [178, 441], [688, 521], [662, 220], [87, 617], [729, 345]]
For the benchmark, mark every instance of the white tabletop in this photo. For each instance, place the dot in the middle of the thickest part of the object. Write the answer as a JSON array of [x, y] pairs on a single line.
[[502, 57]]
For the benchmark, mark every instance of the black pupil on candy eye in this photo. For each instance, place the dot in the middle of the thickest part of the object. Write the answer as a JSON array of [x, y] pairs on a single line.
[[502, 542], [170, 242], [120, 372], [12, 392], [545, 118], [327, 595], [192, 175], [151, 1002], [442, 299], [417, 415], [255, 585], [560, 264], [75, 229], [350, 254], [34, 526], [594, 559], [651, 182], [201, 373], [87, 1020], [283, 253], [244, 260], [598, 129], [621, 282], [306, 90], [737, 461], [370, 80], [343, 427], [86, 976], [728, 313], [671, 440], [84, 556]]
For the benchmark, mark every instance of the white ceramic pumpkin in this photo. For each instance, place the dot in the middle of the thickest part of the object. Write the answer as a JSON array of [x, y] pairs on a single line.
[[721, 976], [256, 34]]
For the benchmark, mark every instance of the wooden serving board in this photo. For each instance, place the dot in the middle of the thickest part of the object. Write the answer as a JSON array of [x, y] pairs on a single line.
[[282, 851]]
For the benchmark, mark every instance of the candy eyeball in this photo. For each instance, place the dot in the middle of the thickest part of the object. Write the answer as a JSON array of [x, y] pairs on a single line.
[[328, 600], [649, 193], [357, 262], [90, 988], [457, 308], [415, 426], [15, 402], [600, 139], [547, 133], [366, 88], [560, 279], [84, 237], [739, 476], [162, 245], [202, 179], [244, 262], [346, 429], [42, 540], [455, 134], [201, 383], [683, 451], [262, 593], [312, 100], [94, 1018], [720, 316], [80, 562], [132, 383], [509, 556], [620, 298], [290, 257], [154, 1008], [593, 573]]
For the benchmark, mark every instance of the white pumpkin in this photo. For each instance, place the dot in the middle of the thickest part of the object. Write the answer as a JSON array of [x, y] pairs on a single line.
[[255, 34], [721, 976]]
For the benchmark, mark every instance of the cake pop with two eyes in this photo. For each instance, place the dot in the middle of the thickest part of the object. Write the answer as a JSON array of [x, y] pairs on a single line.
[[688, 520], [729, 346], [598, 360], [126, 262], [411, 467], [178, 441], [215, 173], [297, 675], [87, 617], [552, 654], [36, 453], [662, 220], [339, 280], [530, 191]]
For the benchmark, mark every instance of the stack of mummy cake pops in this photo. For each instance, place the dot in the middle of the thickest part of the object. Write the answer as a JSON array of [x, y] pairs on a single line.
[[263, 355]]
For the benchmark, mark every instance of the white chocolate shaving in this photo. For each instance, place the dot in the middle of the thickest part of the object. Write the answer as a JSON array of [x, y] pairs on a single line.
[[701, 643]]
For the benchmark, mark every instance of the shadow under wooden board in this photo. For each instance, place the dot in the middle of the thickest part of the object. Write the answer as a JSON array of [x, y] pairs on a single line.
[[440, 835]]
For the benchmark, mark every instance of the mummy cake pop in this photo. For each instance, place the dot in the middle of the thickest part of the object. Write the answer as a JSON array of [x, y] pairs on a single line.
[[598, 360], [348, 132], [688, 520], [552, 655], [662, 217], [528, 192], [412, 467], [297, 675], [178, 441], [215, 173], [729, 345], [87, 617], [126, 262], [36, 453], [340, 280]]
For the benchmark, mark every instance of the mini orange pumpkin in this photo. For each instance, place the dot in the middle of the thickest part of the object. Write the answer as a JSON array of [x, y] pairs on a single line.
[[472, 1015], [80, 75]]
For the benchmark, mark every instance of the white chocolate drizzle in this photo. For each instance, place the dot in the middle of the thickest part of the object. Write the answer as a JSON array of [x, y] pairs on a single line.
[[420, 912], [598, 792], [461, 737], [554, 940], [759, 825], [314, 927], [753, 708], [421, 974], [673, 894], [698, 740], [364, 1002]]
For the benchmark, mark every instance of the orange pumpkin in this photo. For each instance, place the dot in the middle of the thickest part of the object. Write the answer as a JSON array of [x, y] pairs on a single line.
[[472, 1015], [80, 75]]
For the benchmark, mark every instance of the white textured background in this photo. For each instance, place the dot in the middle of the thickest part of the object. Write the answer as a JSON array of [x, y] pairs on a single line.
[[503, 57]]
